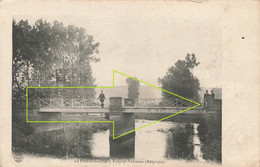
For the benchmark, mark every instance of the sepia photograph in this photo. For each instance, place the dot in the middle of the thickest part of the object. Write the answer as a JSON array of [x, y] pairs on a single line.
[[130, 83], [86, 95]]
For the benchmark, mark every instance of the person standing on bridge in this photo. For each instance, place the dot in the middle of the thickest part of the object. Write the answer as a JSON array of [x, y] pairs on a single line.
[[205, 98], [212, 94], [102, 98]]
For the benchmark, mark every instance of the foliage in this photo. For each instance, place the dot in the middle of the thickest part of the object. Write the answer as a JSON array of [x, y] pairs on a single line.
[[179, 79], [51, 54], [210, 135], [69, 141], [21, 126], [133, 88]]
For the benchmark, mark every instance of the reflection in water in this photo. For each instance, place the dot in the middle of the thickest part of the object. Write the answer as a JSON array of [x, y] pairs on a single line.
[[123, 147], [197, 144], [100, 144], [165, 140], [151, 141], [180, 143], [210, 136]]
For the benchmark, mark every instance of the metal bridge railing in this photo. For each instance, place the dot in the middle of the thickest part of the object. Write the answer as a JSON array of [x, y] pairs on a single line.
[[69, 103], [90, 103], [156, 102]]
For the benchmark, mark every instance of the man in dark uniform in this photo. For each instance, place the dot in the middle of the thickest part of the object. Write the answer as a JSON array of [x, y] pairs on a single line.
[[102, 98], [212, 94], [205, 98]]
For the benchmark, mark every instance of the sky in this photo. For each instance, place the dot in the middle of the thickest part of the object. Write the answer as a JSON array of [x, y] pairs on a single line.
[[145, 47]]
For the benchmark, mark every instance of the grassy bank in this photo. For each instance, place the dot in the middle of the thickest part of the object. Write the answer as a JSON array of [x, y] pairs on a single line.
[[69, 140]]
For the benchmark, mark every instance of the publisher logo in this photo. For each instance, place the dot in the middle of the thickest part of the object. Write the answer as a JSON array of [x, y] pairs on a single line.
[[18, 157]]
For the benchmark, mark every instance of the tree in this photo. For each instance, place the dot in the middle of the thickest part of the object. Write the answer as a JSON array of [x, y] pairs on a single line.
[[52, 54], [180, 80], [133, 88], [22, 57]]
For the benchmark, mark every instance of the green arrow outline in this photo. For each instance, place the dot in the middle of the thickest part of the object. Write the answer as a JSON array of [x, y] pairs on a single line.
[[197, 104]]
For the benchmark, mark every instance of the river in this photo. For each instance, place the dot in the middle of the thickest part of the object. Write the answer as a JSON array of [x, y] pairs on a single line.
[[155, 141], [200, 142]]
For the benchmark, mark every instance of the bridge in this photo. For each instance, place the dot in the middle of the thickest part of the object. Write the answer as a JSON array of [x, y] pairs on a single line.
[[122, 111], [142, 105]]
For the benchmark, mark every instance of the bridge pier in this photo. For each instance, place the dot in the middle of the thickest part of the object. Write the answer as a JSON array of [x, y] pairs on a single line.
[[123, 147], [123, 122]]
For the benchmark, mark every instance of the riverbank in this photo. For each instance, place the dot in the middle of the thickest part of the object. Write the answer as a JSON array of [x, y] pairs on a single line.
[[55, 139], [171, 140]]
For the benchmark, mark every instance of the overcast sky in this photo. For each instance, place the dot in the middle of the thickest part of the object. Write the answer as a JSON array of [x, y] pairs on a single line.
[[145, 47]]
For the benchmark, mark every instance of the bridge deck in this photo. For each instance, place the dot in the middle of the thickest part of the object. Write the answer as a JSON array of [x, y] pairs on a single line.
[[163, 110], [124, 110]]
